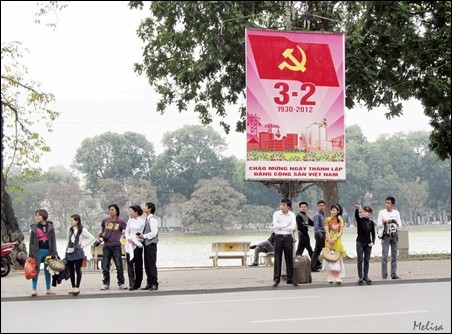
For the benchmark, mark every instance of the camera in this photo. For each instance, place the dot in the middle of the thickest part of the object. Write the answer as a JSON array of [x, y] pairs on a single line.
[[99, 241], [392, 227]]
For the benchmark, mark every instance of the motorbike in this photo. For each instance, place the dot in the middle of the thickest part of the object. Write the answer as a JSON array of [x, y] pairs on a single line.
[[7, 262]]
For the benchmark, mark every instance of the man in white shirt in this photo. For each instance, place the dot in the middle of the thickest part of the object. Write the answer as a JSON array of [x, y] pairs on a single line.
[[284, 223], [389, 221]]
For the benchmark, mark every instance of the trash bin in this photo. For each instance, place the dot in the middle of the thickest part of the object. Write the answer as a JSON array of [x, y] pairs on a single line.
[[404, 243]]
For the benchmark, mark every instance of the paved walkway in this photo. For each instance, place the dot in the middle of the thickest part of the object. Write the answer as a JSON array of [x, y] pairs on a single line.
[[222, 279]]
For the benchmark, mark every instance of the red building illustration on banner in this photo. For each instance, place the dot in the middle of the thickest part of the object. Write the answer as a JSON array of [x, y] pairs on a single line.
[[314, 139]]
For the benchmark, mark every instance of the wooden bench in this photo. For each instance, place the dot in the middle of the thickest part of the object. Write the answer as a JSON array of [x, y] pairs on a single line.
[[95, 263], [267, 258], [230, 250]]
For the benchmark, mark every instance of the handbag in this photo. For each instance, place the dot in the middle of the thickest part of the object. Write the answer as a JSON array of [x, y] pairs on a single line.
[[30, 269], [330, 255], [56, 264], [84, 262]]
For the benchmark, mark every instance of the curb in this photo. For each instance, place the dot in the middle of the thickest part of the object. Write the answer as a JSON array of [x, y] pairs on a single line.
[[218, 290]]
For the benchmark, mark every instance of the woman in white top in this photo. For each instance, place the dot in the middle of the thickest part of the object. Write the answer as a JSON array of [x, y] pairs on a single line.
[[134, 247], [78, 238]]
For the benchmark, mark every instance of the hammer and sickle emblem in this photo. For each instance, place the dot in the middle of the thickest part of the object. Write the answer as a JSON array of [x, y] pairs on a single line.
[[297, 65]]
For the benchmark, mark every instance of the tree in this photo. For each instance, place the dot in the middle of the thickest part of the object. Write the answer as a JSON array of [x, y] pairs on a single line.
[[255, 216], [114, 156], [256, 193], [191, 153], [395, 51], [212, 207], [23, 105]]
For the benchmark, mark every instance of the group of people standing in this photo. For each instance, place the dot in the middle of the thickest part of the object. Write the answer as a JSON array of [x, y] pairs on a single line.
[[328, 231], [140, 233]]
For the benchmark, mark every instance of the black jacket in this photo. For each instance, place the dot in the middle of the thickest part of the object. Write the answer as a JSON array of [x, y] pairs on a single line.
[[366, 229], [302, 225]]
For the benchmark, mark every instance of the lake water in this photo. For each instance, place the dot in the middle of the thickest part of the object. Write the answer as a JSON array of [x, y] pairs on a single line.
[[188, 250]]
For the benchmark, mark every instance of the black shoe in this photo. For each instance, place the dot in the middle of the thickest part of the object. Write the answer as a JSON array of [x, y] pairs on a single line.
[[294, 283], [360, 281], [315, 270], [276, 282], [395, 277], [254, 264], [132, 288], [154, 288], [368, 280], [384, 277], [252, 246], [147, 287]]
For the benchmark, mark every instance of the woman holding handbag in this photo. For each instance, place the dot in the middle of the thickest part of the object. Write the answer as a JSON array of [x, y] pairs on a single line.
[[334, 227], [78, 238], [42, 244]]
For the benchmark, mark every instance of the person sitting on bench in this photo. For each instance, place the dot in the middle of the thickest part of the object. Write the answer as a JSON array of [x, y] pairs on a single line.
[[263, 247]]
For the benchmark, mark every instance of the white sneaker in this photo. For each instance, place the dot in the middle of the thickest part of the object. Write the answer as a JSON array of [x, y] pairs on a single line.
[[123, 287], [105, 287]]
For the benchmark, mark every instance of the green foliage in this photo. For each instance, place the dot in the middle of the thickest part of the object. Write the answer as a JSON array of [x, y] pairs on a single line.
[[49, 7], [256, 193], [114, 156], [58, 192], [399, 165], [396, 50], [255, 216], [25, 113], [190, 154], [213, 206]]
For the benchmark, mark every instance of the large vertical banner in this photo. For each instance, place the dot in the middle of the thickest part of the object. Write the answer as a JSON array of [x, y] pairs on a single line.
[[295, 106]]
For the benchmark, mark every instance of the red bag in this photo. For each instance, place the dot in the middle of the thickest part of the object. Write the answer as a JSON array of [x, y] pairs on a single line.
[[84, 262], [30, 268]]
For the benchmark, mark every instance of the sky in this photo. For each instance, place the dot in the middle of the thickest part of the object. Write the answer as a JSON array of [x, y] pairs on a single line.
[[87, 63]]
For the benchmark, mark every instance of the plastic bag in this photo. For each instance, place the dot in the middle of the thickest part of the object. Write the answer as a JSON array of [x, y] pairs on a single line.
[[30, 269]]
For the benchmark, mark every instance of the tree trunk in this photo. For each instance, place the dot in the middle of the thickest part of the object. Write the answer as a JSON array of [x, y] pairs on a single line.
[[10, 228], [330, 194]]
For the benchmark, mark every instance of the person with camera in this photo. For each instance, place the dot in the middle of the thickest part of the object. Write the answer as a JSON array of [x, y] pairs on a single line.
[[389, 221], [134, 247], [364, 241], [150, 237], [110, 234]]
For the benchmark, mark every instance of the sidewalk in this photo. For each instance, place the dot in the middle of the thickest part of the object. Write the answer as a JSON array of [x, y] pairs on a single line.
[[222, 279]]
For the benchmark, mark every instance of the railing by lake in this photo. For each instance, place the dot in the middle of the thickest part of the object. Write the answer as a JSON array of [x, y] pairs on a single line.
[[179, 250]]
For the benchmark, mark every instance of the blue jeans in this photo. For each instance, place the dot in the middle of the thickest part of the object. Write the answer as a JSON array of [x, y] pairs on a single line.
[[363, 254], [114, 253], [385, 243], [34, 281]]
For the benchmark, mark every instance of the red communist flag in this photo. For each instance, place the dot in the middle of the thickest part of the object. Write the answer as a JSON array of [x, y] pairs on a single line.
[[279, 58]]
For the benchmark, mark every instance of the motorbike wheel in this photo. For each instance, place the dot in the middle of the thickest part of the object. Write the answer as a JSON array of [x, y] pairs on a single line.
[[6, 268]]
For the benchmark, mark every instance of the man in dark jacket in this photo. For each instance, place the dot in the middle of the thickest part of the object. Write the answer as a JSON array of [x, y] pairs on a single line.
[[263, 247], [303, 221]]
